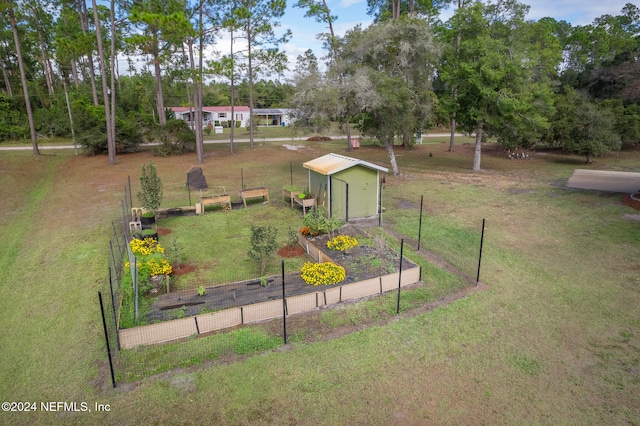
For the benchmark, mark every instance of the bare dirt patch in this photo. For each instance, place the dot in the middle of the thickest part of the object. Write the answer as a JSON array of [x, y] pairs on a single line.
[[182, 269], [163, 231], [633, 202], [288, 252]]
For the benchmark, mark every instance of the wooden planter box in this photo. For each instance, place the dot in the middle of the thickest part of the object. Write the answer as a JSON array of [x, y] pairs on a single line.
[[291, 194], [216, 199], [305, 203], [253, 193]]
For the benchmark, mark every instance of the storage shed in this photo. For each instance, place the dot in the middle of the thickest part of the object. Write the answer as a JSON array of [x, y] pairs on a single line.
[[349, 188]]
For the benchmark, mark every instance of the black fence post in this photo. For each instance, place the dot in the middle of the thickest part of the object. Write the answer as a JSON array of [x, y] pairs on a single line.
[[284, 308], [400, 276], [480, 256], [115, 234], [106, 339], [346, 213], [125, 222], [130, 195], [135, 291], [189, 188], [380, 206], [420, 225]]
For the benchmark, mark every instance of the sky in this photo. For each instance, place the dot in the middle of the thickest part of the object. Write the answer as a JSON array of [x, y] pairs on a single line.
[[353, 12]]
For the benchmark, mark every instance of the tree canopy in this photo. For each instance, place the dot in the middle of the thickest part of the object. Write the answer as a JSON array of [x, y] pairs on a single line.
[[487, 69]]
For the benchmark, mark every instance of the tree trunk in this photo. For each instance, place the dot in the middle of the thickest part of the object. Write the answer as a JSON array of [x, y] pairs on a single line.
[[113, 65], [46, 65], [82, 10], [198, 89], [233, 99], [589, 158], [348, 130], [7, 83], [74, 73], [334, 48], [478, 151], [111, 143], [392, 157], [23, 78], [250, 81], [197, 109], [406, 139], [453, 131], [162, 118]]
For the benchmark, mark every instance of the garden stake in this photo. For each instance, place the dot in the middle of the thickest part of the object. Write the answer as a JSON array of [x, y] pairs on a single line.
[[480, 256], [291, 171]]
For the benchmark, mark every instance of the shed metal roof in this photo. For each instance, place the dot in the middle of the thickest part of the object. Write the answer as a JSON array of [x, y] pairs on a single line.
[[334, 163]]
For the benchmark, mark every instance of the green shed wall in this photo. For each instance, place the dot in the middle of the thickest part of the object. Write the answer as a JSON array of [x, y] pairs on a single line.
[[318, 188], [363, 192]]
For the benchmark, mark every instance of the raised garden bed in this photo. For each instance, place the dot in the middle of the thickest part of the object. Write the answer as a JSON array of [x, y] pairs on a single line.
[[253, 193], [371, 269], [306, 203], [290, 192], [222, 199]]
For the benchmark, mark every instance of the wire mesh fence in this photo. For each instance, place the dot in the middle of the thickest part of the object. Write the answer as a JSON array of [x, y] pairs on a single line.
[[229, 307]]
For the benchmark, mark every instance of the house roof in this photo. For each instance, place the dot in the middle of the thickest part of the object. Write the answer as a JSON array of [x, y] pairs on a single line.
[[271, 111], [334, 163], [237, 108]]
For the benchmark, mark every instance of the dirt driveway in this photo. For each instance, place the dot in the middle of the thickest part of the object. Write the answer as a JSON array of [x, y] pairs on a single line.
[[628, 182]]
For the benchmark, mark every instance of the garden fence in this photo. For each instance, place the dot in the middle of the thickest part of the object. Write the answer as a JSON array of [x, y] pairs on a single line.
[[188, 327]]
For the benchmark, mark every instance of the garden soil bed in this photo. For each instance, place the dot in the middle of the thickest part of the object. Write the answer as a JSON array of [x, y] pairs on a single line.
[[371, 258]]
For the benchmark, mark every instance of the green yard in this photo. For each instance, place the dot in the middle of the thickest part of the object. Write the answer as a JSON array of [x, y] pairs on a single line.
[[553, 339]]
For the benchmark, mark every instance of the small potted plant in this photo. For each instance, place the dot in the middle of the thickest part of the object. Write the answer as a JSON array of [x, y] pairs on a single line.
[[149, 233]]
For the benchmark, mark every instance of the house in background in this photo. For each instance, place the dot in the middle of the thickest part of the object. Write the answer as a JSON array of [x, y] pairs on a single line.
[[211, 114], [348, 187], [274, 116]]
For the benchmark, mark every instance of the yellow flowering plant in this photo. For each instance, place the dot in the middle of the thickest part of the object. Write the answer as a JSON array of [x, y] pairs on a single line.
[[145, 247], [326, 273], [342, 243], [151, 259]]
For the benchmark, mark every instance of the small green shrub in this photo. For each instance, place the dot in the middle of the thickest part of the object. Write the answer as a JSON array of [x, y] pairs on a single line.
[[150, 194], [263, 244], [292, 238]]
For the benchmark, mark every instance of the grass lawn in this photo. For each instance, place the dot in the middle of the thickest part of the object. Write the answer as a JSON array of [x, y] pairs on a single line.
[[554, 338]]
